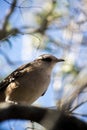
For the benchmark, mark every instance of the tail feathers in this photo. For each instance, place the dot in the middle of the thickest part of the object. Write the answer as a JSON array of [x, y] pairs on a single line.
[[2, 90], [3, 85], [2, 96]]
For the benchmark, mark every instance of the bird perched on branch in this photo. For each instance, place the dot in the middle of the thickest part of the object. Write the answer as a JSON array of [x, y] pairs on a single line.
[[30, 81]]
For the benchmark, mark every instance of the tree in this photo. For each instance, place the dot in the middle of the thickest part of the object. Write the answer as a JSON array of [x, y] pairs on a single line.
[[57, 27]]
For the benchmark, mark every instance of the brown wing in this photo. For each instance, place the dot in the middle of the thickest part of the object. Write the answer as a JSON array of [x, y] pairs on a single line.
[[15, 74]]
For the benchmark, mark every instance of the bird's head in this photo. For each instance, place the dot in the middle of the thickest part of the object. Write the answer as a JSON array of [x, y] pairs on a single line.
[[48, 60]]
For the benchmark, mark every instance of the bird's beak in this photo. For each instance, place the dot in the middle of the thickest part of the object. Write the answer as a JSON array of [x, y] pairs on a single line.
[[60, 60]]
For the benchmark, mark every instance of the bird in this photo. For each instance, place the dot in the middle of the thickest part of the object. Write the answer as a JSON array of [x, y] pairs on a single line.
[[29, 82]]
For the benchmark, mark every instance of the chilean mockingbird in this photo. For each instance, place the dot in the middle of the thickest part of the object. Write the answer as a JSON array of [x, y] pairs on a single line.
[[30, 81]]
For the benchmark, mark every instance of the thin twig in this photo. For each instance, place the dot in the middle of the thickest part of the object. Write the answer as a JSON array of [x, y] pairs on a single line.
[[9, 14], [76, 107], [80, 114], [18, 6]]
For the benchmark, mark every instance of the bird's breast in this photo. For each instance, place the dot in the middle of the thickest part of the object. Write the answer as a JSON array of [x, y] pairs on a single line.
[[30, 87]]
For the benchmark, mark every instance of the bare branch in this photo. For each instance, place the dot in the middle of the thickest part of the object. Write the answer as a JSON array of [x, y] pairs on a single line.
[[50, 119], [18, 6], [66, 104], [76, 107], [79, 114], [9, 14]]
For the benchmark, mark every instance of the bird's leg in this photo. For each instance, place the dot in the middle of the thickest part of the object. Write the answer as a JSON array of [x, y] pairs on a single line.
[[9, 101]]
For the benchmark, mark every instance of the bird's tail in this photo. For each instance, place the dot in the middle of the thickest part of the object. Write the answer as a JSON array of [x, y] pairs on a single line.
[[2, 96], [3, 85]]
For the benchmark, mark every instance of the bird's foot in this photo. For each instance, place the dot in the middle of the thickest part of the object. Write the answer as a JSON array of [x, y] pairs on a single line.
[[11, 102]]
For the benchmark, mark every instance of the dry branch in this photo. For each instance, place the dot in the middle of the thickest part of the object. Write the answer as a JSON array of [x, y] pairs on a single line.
[[50, 119]]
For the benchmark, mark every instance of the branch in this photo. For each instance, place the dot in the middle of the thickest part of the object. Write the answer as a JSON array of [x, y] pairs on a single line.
[[80, 114], [80, 84], [50, 119], [18, 6], [8, 111], [78, 106], [9, 14]]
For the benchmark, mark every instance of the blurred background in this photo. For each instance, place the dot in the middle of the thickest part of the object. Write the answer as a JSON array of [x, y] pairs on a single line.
[[29, 28]]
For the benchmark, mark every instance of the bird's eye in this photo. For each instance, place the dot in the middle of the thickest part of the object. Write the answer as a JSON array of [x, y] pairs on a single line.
[[47, 59]]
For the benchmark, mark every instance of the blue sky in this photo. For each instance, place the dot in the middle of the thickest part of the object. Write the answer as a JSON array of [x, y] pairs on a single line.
[[22, 52]]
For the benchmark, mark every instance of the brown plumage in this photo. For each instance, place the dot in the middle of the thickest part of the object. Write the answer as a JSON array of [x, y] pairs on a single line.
[[27, 83]]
